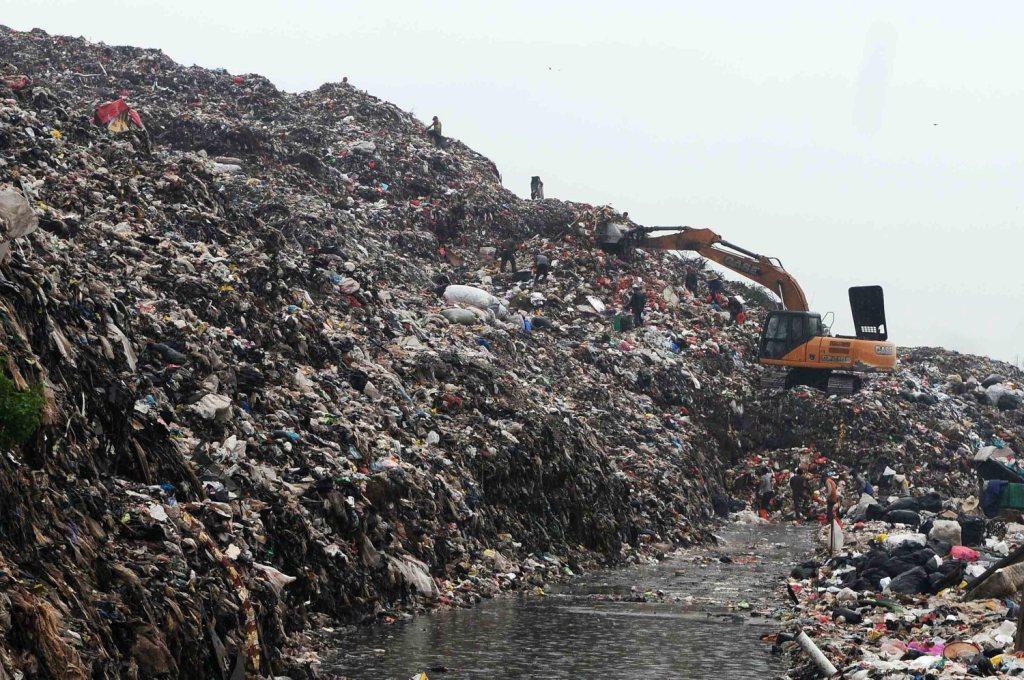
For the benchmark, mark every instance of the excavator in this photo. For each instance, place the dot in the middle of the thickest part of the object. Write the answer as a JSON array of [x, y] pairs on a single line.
[[794, 341]]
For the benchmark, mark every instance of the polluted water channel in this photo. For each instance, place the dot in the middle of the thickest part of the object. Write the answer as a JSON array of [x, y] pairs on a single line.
[[698, 614]]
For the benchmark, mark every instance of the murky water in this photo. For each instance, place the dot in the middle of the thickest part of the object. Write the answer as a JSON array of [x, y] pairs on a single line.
[[589, 630]]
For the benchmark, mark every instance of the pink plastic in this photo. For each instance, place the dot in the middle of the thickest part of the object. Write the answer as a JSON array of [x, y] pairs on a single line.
[[962, 552]]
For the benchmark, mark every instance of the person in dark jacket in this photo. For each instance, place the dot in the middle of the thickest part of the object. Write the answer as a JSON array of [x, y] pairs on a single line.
[[636, 304], [507, 254], [799, 486], [536, 189], [716, 288], [692, 281]]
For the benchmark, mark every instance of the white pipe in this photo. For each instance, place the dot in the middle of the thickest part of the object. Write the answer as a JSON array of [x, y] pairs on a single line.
[[819, 659]]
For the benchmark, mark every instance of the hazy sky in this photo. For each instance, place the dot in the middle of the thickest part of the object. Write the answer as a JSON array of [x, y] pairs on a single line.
[[873, 142]]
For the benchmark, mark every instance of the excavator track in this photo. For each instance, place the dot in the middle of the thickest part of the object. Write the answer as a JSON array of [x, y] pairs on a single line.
[[842, 384], [773, 381]]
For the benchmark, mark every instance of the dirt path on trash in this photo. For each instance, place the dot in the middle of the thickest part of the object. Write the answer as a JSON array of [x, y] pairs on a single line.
[[690, 616]]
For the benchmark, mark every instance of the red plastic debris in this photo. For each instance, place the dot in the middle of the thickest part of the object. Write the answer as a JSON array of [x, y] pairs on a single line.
[[112, 111], [962, 552], [17, 82]]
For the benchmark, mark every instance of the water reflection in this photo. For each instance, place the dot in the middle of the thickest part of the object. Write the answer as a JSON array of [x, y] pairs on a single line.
[[578, 634]]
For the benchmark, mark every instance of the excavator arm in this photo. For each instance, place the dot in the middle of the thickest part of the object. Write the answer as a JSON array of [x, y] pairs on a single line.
[[763, 270]]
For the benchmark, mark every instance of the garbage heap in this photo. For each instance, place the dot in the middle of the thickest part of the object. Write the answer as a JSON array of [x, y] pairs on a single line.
[[919, 427], [939, 599], [261, 375], [241, 405], [922, 576]]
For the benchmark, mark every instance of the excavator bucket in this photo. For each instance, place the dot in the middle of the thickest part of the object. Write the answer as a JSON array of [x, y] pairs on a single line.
[[610, 236], [868, 306]]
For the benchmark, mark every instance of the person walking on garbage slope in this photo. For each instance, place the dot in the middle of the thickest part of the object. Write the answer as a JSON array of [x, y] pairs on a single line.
[[832, 511], [507, 254], [434, 132], [536, 189], [636, 303], [765, 491], [541, 267]]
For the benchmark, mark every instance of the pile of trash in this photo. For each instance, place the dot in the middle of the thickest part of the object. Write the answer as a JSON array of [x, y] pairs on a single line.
[[898, 601], [919, 427], [910, 580], [262, 374], [265, 377]]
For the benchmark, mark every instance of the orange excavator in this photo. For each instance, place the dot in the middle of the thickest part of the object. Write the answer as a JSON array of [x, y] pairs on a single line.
[[792, 338]]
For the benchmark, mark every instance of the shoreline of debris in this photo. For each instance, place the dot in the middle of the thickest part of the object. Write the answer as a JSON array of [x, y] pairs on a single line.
[[921, 575]]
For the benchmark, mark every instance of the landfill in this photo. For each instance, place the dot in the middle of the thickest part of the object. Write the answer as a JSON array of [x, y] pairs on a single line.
[[264, 378], [921, 573]]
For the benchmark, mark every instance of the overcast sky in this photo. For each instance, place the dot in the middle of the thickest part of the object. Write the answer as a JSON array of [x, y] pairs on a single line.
[[863, 143]]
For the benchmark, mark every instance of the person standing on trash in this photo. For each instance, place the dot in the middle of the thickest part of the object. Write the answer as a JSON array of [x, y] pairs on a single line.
[[541, 267], [831, 494], [692, 281], [862, 483], [716, 289], [536, 189], [636, 304], [507, 254], [737, 311], [765, 491], [525, 323], [434, 132], [798, 486]]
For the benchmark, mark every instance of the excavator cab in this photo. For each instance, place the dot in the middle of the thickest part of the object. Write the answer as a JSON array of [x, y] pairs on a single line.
[[615, 238], [799, 342], [785, 331]]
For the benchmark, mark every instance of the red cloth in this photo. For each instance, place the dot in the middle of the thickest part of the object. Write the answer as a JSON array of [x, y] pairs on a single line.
[[111, 110], [16, 82], [962, 552], [106, 113]]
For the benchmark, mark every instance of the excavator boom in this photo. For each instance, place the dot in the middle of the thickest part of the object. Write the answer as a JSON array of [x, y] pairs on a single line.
[[763, 270]]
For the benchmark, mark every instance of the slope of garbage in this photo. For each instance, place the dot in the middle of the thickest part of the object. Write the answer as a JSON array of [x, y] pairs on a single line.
[[925, 421], [282, 385], [921, 573]]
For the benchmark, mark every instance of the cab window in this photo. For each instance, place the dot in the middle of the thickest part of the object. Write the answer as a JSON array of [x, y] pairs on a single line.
[[785, 332]]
